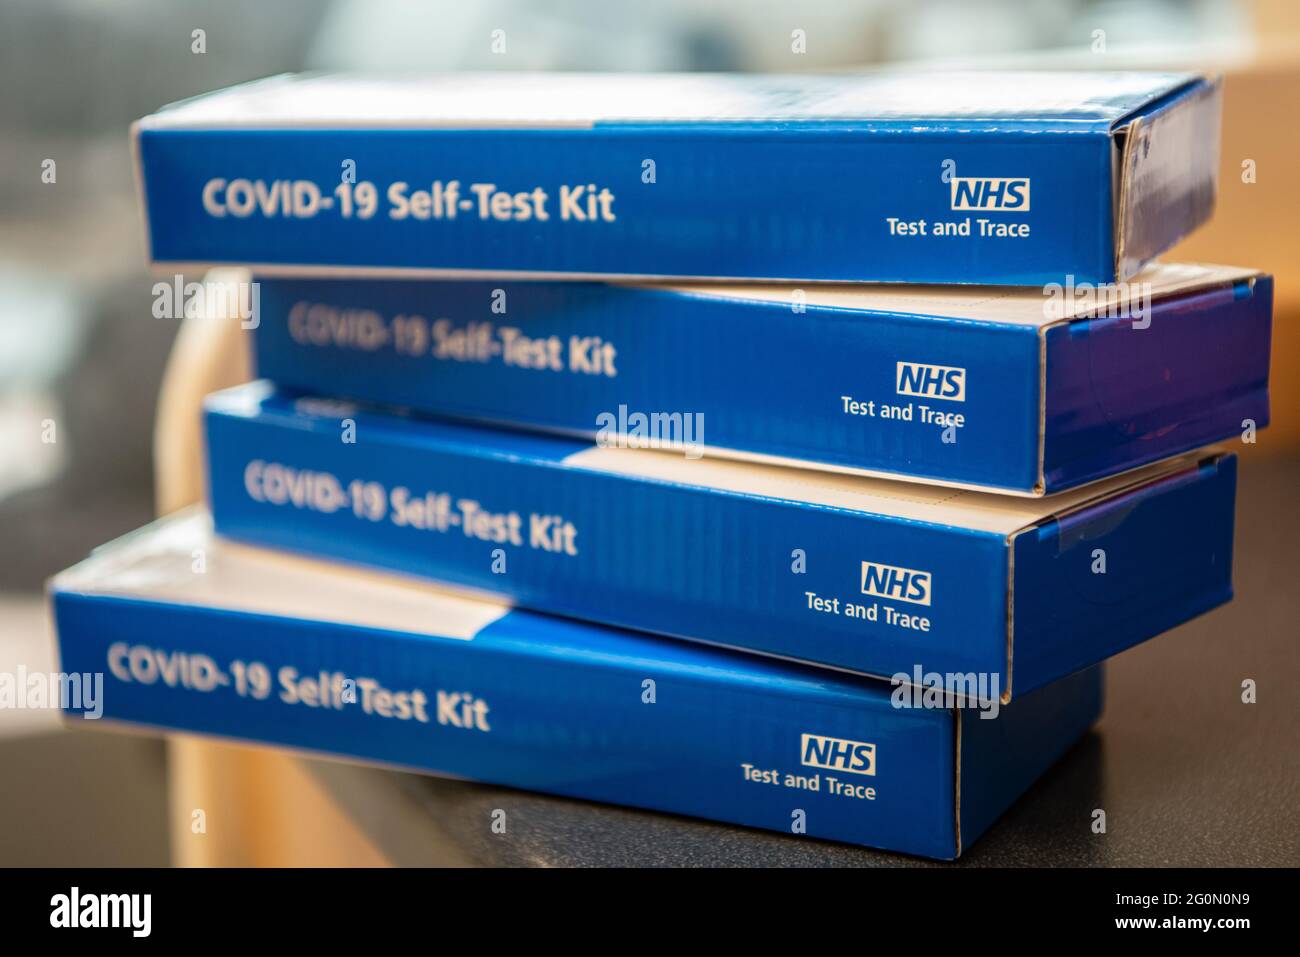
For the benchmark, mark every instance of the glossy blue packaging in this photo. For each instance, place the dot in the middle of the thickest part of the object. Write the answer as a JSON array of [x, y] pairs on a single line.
[[882, 578], [1006, 178], [1008, 390], [269, 649]]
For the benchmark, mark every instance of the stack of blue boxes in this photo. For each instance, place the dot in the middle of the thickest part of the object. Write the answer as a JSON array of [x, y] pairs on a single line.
[[783, 451]]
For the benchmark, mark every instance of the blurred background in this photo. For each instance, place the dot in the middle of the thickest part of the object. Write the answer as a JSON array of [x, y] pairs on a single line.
[[81, 356]]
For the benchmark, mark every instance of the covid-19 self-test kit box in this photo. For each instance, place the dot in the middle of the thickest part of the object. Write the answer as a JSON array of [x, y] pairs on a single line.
[[278, 650], [1023, 391], [1004, 178], [877, 577]]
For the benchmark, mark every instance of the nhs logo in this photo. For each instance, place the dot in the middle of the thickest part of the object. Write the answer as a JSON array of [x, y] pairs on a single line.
[[837, 754], [899, 584], [931, 382], [1008, 195]]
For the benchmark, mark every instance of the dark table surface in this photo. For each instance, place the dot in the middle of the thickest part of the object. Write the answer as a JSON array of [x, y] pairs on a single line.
[[1187, 773]]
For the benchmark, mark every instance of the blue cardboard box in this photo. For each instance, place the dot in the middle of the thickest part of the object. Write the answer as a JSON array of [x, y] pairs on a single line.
[[265, 648], [1006, 389], [883, 578], [1006, 178]]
